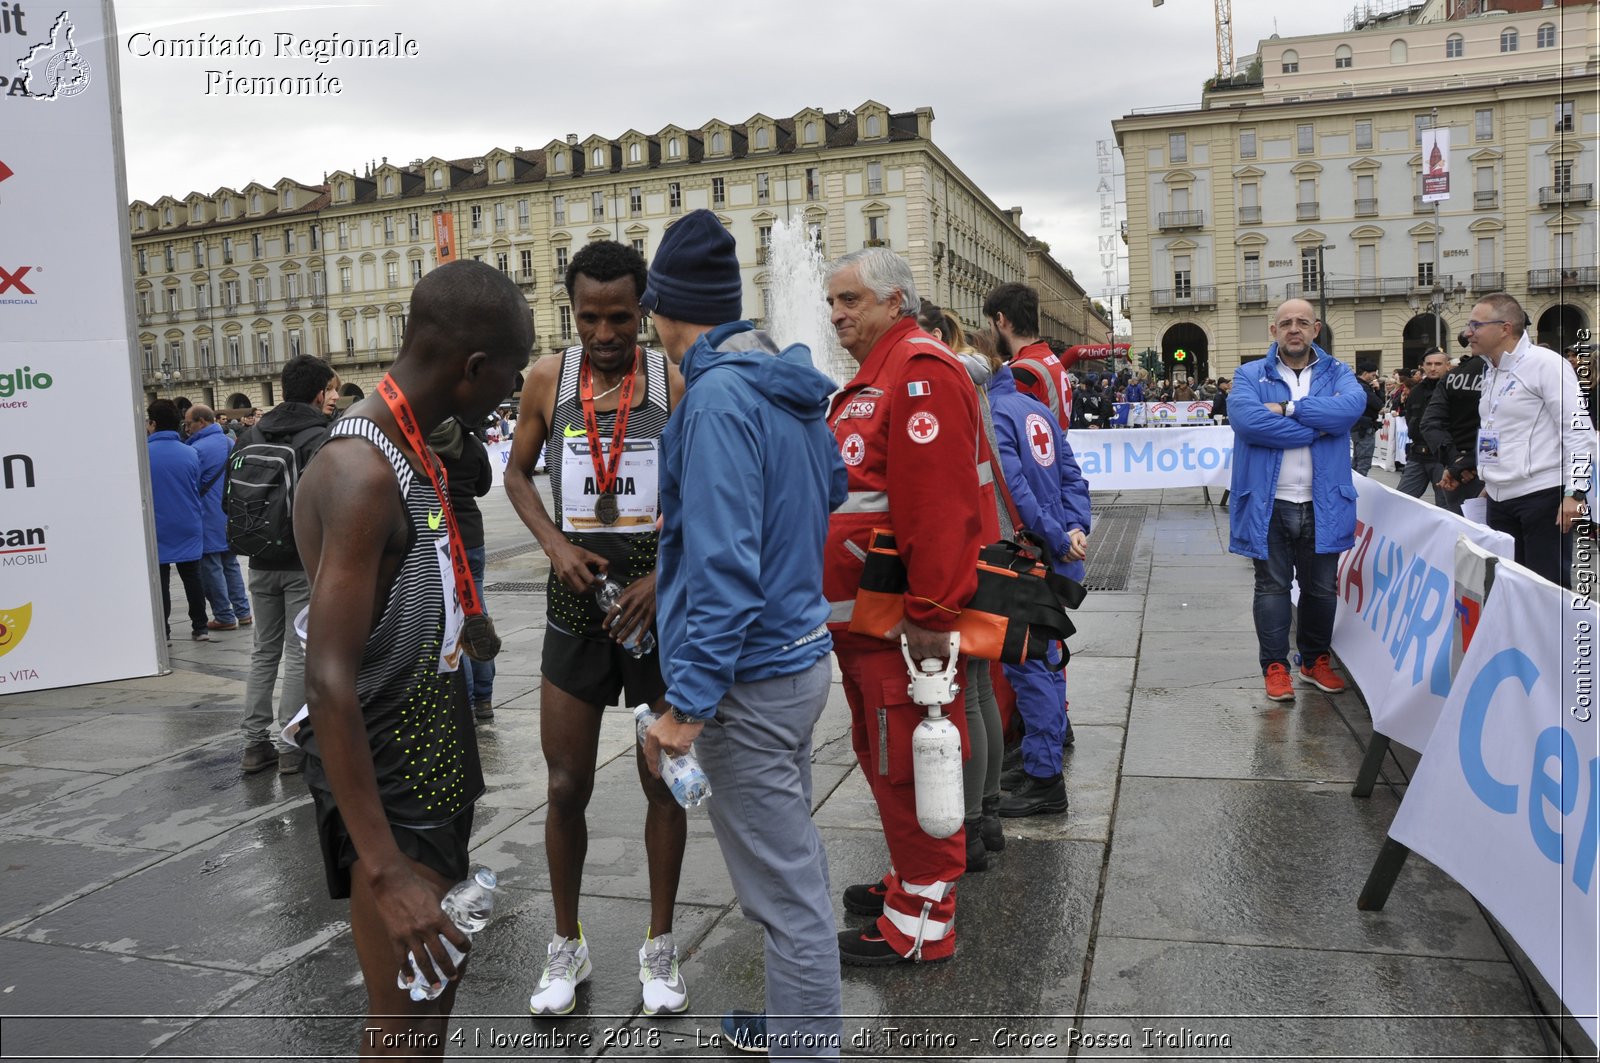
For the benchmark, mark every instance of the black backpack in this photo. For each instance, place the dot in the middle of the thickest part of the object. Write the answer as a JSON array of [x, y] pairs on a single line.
[[258, 500]]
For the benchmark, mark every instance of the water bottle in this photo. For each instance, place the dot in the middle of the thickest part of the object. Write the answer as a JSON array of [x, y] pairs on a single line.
[[606, 593], [683, 775], [469, 905]]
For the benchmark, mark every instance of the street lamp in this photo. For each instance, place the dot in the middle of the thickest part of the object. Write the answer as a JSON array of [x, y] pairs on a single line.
[[1439, 299], [168, 375]]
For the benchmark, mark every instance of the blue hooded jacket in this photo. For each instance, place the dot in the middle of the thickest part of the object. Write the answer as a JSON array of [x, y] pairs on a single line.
[[1321, 421], [749, 475], [1051, 496], [174, 498], [213, 446]]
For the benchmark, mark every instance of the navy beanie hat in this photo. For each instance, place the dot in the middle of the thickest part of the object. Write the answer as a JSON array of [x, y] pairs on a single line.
[[694, 276]]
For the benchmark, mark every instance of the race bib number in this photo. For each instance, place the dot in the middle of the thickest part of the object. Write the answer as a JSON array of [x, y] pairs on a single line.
[[450, 645], [635, 488]]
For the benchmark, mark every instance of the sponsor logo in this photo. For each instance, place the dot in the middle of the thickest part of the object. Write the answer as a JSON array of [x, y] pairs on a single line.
[[860, 408], [571, 431], [11, 281], [16, 471], [15, 383], [853, 450], [23, 547], [435, 518], [923, 427], [6, 171], [1041, 439], [51, 70], [14, 626]]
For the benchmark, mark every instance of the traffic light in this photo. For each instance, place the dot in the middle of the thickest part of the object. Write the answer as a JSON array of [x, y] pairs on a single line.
[[1150, 361]]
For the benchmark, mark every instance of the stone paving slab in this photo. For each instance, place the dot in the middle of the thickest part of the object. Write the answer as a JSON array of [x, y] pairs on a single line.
[[117, 742], [44, 873], [21, 787]]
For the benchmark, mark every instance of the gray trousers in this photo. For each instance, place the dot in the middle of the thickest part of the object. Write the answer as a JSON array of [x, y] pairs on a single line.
[[980, 775], [278, 598], [757, 756]]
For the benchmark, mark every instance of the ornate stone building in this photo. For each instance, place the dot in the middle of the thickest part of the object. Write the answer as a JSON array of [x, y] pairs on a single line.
[[229, 285]]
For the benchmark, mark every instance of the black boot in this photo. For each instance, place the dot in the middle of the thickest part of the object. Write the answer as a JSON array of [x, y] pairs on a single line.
[[994, 837], [1036, 797], [977, 853]]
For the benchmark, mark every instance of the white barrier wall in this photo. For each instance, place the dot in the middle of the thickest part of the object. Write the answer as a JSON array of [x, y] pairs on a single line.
[[77, 599], [1149, 459]]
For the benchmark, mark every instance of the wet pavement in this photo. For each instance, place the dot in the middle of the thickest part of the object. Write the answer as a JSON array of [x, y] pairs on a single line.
[[1199, 900]]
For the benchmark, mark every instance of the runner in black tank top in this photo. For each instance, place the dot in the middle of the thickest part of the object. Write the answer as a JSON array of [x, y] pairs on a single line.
[[584, 668]]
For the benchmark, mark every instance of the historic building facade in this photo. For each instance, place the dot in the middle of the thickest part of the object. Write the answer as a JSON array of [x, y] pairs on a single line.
[[1302, 176], [228, 285]]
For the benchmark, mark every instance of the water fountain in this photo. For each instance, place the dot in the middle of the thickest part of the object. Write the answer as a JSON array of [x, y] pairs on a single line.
[[796, 308]]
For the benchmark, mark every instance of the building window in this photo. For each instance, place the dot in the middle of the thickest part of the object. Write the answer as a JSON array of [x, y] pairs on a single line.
[[255, 203], [1424, 263], [1455, 46], [144, 258], [1247, 143], [388, 184], [1182, 277], [1561, 179], [391, 274], [499, 217], [674, 148], [173, 304], [1483, 123], [674, 197], [1291, 62], [525, 264], [522, 213], [719, 143], [763, 188], [719, 192], [203, 347], [1343, 57], [416, 270], [811, 132], [202, 297], [559, 162], [502, 261], [874, 178], [1564, 116], [227, 208], [634, 153], [561, 259], [1421, 122], [566, 322], [256, 246], [1547, 36], [638, 245], [1306, 207], [635, 201], [477, 219], [1177, 148], [175, 353], [348, 327], [264, 347], [235, 352], [813, 183], [1508, 40], [1364, 136], [597, 205], [344, 278], [397, 328], [291, 285], [877, 230], [761, 138], [263, 292], [500, 170], [166, 254], [1310, 276], [316, 237], [558, 209], [230, 293], [1305, 138], [598, 159], [1397, 52]]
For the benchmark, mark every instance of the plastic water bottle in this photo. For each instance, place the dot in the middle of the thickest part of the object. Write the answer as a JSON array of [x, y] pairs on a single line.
[[606, 592], [683, 775], [469, 904]]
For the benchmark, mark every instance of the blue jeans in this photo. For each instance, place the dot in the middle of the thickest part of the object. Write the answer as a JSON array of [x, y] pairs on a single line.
[[224, 584], [1362, 445], [480, 674], [1292, 555], [756, 753]]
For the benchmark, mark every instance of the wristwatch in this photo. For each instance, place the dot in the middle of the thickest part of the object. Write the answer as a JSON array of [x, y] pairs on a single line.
[[1288, 408], [1581, 496], [683, 717]]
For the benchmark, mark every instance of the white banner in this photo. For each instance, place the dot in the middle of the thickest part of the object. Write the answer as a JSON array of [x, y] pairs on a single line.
[[1137, 459], [75, 538], [1397, 606], [1507, 797]]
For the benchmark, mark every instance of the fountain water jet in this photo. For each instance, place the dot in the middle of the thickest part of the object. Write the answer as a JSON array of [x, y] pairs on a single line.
[[796, 308]]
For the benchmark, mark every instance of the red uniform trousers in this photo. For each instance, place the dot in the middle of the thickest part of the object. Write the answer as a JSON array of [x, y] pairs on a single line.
[[920, 902]]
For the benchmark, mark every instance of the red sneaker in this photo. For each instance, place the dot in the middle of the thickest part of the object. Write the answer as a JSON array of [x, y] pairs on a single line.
[[1279, 686], [1322, 676]]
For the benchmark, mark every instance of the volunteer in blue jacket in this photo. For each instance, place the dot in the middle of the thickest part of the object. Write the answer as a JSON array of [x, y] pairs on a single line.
[[175, 502], [219, 566], [750, 472], [1292, 507], [1052, 500]]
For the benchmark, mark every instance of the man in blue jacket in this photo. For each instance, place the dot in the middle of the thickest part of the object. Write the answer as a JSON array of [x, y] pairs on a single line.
[[175, 501], [750, 473], [1292, 506], [1052, 500], [219, 566]]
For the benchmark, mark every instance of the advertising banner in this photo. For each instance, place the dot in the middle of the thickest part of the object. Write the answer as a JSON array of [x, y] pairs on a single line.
[[1435, 165], [444, 236], [1160, 414], [1397, 607], [1149, 459], [75, 538], [1507, 797]]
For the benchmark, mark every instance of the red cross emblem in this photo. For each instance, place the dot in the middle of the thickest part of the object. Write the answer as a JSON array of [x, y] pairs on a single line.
[[853, 450], [1041, 440], [923, 427]]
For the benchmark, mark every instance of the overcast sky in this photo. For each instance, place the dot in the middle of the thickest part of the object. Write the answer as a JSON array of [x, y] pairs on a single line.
[[1021, 91]]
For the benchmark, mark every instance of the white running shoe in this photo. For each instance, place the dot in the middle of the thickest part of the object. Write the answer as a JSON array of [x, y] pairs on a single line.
[[658, 973], [566, 965]]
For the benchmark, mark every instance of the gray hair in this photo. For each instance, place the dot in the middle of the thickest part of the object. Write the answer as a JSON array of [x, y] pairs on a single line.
[[883, 272]]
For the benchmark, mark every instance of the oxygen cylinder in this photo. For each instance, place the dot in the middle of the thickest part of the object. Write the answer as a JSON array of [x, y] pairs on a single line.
[[936, 745]]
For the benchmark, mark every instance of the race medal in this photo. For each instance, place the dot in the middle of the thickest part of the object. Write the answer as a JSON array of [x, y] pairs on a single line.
[[478, 638], [606, 510]]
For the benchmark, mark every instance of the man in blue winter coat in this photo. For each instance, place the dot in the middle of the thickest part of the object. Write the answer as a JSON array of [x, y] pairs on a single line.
[[175, 501], [219, 566], [1292, 506], [750, 472], [1052, 501]]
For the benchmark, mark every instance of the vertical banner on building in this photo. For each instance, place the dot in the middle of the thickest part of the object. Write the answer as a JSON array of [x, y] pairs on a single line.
[[444, 236], [77, 599], [1435, 165], [1507, 798]]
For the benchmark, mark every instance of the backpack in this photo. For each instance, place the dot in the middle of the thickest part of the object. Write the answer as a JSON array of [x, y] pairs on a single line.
[[258, 500]]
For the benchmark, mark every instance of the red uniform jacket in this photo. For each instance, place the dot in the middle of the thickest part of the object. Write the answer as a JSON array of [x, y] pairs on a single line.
[[919, 466], [1040, 373]]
